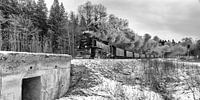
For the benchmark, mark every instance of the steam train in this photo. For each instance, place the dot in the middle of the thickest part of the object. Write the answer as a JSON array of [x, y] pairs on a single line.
[[92, 47]]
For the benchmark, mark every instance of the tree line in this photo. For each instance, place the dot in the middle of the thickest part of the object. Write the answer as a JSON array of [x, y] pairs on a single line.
[[28, 26]]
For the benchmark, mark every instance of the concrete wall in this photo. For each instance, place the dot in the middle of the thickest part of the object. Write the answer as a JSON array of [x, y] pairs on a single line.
[[53, 71]]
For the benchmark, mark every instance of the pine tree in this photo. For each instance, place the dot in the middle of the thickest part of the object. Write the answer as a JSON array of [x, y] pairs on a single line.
[[73, 32], [8, 7], [41, 15], [83, 24], [53, 23], [63, 23], [57, 22], [23, 35]]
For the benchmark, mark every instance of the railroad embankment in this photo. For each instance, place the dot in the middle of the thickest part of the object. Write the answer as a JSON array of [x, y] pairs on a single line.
[[122, 79]]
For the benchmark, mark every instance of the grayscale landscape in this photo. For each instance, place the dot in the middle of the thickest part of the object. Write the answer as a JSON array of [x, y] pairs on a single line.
[[99, 50]]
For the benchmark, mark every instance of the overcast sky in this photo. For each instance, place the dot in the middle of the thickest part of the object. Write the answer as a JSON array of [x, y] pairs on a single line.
[[168, 19]]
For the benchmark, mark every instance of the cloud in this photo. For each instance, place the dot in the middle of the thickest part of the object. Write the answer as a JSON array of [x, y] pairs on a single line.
[[174, 18]]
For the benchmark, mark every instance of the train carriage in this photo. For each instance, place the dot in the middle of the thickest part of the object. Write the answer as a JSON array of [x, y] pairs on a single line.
[[102, 49], [119, 53], [129, 54], [136, 55]]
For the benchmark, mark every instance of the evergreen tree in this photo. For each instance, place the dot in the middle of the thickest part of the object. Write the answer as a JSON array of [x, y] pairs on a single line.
[[23, 35], [41, 21], [8, 7], [83, 24], [75, 32], [53, 23], [63, 24], [57, 23]]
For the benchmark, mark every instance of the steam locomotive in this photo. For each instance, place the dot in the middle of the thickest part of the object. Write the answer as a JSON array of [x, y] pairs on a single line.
[[92, 47]]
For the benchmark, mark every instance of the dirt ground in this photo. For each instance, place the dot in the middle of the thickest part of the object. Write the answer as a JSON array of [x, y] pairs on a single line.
[[131, 80]]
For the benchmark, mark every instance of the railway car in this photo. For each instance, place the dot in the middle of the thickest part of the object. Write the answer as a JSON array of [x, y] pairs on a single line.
[[97, 48], [129, 54], [142, 56], [106, 48], [120, 53], [136, 55], [102, 50]]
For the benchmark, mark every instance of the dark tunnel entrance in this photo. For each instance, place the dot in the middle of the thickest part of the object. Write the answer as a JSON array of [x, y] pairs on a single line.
[[31, 88]]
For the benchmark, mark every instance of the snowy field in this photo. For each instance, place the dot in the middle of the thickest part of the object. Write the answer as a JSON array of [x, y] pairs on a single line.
[[123, 79]]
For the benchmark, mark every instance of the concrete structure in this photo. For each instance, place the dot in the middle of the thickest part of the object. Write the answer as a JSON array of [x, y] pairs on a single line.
[[33, 76]]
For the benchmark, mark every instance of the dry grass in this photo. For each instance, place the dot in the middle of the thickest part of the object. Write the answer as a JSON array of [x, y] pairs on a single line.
[[133, 80]]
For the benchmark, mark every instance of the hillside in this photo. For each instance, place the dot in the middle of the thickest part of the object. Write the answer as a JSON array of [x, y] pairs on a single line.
[[132, 80]]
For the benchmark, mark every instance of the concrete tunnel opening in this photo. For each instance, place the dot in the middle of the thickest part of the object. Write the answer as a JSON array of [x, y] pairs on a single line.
[[33, 76], [31, 88]]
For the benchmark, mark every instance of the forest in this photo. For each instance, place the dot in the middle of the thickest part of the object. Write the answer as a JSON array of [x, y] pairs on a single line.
[[28, 26]]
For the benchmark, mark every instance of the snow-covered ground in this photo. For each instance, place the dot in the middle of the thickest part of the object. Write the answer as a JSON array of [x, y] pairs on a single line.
[[122, 79]]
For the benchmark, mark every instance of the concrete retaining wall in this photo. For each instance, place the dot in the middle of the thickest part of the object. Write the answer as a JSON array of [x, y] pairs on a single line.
[[33, 76]]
